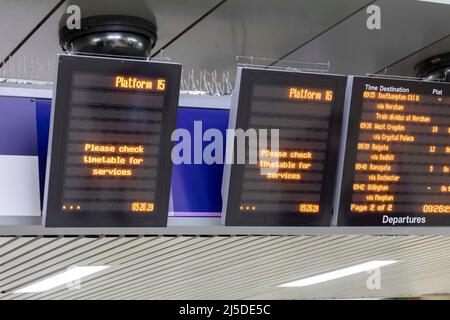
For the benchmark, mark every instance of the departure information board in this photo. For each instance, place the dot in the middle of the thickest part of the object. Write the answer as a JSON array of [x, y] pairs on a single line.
[[397, 156], [110, 160], [292, 185]]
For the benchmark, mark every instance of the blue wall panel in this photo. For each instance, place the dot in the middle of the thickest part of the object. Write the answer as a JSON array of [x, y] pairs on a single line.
[[196, 188], [43, 110]]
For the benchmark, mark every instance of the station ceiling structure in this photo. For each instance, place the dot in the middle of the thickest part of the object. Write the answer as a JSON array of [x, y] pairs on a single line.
[[209, 35]]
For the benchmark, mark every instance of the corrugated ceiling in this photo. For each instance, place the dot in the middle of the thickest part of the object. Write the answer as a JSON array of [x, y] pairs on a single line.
[[225, 267]]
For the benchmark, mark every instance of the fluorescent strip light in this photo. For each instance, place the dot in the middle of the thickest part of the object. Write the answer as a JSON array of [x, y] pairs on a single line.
[[59, 279], [437, 1], [339, 273]]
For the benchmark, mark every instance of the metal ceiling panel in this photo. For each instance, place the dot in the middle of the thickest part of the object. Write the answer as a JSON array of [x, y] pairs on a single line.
[[321, 30], [50, 244], [178, 268], [351, 48], [18, 18], [228, 267], [123, 249], [156, 264], [31, 245], [39, 267], [36, 59], [172, 17], [14, 244], [260, 28]]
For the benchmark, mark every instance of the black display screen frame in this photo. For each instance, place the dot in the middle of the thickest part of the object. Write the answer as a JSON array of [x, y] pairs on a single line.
[[252, 77], [345, 217], [68, 65]]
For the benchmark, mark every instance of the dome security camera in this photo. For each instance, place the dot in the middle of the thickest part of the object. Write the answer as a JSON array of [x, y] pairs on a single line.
[[436, 68], [110, 27]]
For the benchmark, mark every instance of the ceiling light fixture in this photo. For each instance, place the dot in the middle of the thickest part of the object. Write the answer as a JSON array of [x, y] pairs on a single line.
[[59, 279], [371, 265]]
